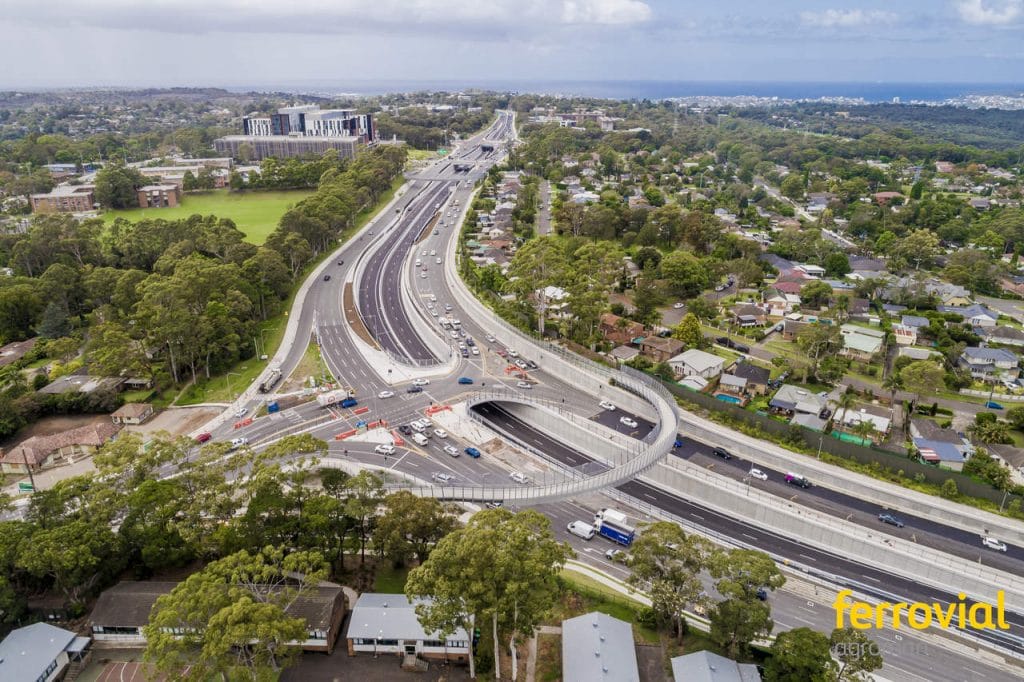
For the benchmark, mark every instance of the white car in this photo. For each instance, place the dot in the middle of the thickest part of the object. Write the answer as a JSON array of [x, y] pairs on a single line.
[[423, 275], [418, 262], [437, 261], [440, 433], [524, 384], [512, 353], [490, 339], [433, 252], [423, 253], [607, 405], [758, 474], [447, 307], [420, 382], [451, 450], [627, 421], [433, 298], [474, 350], [992, 543], [386, 394], [519, 477], [455, 334], [238, 442], [241, 412], [384, 449], [442, 477], [434, 313], [679, 306]]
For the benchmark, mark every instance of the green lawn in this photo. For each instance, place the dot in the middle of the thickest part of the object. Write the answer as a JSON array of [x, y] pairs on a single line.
[[255, 213], [390, 580]]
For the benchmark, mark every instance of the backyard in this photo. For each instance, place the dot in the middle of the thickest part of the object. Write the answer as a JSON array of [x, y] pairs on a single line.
[[254, 213]]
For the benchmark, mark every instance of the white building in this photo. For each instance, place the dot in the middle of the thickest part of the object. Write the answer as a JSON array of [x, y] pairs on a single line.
[[40, 653], [695, 362], [387, 624]]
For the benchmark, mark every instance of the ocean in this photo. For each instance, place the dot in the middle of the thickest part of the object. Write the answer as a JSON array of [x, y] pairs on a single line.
[[871, 92]]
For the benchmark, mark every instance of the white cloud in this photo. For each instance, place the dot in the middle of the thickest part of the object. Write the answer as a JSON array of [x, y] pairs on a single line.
[[500, 17], [847, 18], [990, 12]]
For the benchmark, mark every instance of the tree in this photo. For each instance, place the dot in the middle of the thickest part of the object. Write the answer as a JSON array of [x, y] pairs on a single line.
[[410, 526], [666, 562], [740, 573], [702, 308], [858, 654], [792, 186], [364, 492], [818, 341], [116, 185], [685, 273], [646, 297], [991, 432], [538, 264], [923, 377], [233, 617], [837, 264], [815, 294], [919, 248], [54, 322], [689, 332], [735, 623], [800, 655], [949, 490], [501, 567], [74, 555]]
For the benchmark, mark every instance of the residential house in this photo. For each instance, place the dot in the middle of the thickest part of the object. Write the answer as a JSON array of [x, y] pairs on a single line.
[[624, 353], [918, 353], [949, 294], [791, 329], [660, 349], [989, 364], [1013, 284], [980, 203], [780, 303], [123, 610], [1006, 336], [747, 315], [860, 343], [866, 267], [82, 383], [887, 198], [694, 362], [756, 377], [41, 653], [697, 383], [620, 330], [944, 167], [851, 418], [793, 400], [388, 624], [975, 314], [812, 271], [860, 309], [65, 447], [818, 201], [556, 301], [132, 413], [733, 385], [706, 666], [596, 646], [906, 331], [16, 350]]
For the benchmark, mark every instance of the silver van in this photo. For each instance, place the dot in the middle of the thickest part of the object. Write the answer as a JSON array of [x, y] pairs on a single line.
[[581, 529], [418, 438]]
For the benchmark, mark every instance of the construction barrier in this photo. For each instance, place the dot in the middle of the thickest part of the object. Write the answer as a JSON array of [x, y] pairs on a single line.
[[434, 409], [360, 410], [244, 422], [345, 434], [397, 439]]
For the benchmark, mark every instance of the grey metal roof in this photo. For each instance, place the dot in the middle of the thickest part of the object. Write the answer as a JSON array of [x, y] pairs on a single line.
[[26, 652], [390, 616], [705, 666], [598, 648]]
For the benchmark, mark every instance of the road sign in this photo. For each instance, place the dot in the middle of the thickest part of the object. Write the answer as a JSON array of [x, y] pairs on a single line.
[[25, 488]]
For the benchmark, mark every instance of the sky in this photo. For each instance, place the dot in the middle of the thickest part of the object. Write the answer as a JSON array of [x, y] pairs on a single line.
[[50, 43]]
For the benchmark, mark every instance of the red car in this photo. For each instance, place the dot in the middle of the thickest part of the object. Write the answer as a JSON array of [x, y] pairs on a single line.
[[503, 353], [203, 437]]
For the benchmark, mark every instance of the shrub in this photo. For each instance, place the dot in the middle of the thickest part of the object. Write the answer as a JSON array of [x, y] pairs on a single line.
[[949, 489]]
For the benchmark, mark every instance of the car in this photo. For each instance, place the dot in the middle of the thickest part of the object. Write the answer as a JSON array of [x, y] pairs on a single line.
[[519, 477], [384, 449], [414, 389], [241, 412], [433, 298], [758, 474], [475, 350], [740, 348], [993, 405], [724, 341], [472, 452], [721, 452], [440, 433], [495, 504], [418, 263], [524, 384], [502, 352], [386, 394], [628, 421], [679, 306], [433, 313], [992, 543], [437, 261], [203, 437], [433, 252], [677, 443], [447, 307], [238, 442], [442, 477], [423, 275], [420, 382], [607, 405], [612, 554], [405, 430], [886, 517], [824, 414], [490, 339], [436, 232], [454, 334], [521, 364], [721, 287], [470, 341], [464, 352], [762, 594], [451, 450], [465, 380], [327, 278], [462, 346], [341, 262], [512, 353], [531, 364]]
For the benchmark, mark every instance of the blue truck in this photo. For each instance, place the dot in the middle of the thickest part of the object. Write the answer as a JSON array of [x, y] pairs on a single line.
[[614, 526]]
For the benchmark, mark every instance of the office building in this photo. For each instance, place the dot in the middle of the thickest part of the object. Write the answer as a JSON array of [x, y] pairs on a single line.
[[286, 146], [308, 120]]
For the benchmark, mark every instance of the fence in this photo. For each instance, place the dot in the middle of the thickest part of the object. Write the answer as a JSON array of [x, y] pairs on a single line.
[[851, 451]]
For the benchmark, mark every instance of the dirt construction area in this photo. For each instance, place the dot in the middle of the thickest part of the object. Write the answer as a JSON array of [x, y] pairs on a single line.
[[176, 421]]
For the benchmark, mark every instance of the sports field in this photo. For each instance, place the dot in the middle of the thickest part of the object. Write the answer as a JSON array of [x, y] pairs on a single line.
[[255, 213]]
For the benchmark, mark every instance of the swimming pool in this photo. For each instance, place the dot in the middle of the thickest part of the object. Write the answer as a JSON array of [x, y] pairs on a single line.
[[729, 399]]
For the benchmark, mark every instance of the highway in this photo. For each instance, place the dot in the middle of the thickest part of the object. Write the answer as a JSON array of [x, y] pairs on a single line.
[[384, 247]]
